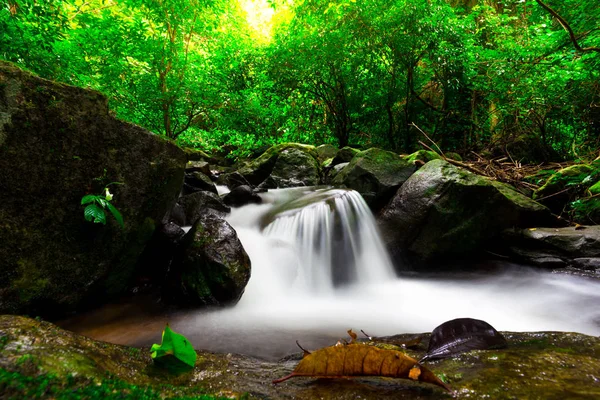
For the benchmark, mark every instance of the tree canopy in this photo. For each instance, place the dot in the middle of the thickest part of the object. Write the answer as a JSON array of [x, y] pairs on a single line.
[[519, 77]]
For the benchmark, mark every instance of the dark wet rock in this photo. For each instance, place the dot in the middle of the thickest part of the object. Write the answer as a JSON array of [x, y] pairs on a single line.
[[214, 268], [176, 215], [197, 181], [196, 204], [57, 144], [296, 167], [376, 174], [267, 184], [591, 263], [240, 196], [443, 211], [555, 247], [344, 155], [540, 365], [256, 171], [232, 180], [158, 255], [201, 166]]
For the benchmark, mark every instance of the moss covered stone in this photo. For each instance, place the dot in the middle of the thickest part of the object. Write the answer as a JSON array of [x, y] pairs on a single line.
[[422, 156], [570, 176], [443, 211], [59, 143], [256, 171], [376, 174]]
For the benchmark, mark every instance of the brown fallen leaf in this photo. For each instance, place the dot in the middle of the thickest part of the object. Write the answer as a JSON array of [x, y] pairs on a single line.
[[357, 359]]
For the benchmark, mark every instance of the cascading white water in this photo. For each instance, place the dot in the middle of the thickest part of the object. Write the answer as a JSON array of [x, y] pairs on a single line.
[[298, 292], [335, 240]]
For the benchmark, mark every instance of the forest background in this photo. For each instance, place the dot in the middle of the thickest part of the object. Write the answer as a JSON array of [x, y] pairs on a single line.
[[514, 77]]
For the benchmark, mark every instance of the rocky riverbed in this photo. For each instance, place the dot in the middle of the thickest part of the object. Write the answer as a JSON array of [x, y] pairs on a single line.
[[40, 360]]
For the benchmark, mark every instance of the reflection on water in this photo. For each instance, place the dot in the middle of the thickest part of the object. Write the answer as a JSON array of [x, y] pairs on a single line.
[[278, 308]]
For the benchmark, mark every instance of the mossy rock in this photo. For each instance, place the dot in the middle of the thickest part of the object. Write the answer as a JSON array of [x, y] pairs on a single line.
[[256, 171], [344, 155], [198, 155], [422, 156], [570, 176], [453, 156], [326, 151], [376, 174], [38, 359], [295, 167], [444, 212], [53, 261]]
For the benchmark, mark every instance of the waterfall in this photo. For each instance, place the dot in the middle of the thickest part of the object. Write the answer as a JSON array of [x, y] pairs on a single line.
[[334, 236], [318, 269]]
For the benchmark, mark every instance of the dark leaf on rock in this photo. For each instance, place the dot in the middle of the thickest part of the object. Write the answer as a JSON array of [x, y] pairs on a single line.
[[462, 335]]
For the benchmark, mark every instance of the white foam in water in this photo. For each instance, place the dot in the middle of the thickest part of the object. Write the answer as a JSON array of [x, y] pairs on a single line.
[[293, 294]]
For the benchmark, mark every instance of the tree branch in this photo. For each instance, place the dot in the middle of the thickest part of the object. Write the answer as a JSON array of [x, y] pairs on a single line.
[[567, 28]]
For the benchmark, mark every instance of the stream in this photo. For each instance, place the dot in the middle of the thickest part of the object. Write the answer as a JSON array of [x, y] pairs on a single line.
[[319, 269]]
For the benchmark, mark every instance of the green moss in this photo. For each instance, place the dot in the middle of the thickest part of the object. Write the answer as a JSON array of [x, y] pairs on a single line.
[[570, 176], [595, 189], [32, 282], [422, 155], [16, 385]]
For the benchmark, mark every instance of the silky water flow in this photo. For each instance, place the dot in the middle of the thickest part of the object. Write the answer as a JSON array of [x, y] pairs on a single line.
[[319, 268]]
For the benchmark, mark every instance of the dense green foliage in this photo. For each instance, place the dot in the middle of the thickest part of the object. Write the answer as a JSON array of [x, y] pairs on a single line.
[[237, 74]]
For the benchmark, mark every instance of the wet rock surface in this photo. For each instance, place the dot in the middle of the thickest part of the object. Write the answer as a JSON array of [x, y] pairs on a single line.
[[540, 365], [577, 248], [298, 165], [444, 211], [213, 268], [376, 174], [59, 143]]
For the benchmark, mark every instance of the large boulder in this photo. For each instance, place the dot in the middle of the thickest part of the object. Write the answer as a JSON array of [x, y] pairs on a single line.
[[444, 211], [214, 267], [296, 167], [376, 174], [290, 164], [59, 143]]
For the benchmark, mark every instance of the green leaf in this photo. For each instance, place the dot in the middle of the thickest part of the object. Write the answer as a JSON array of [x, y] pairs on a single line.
[[95, 214], [115, 214], [102, 202], [174, 345], [88, 198]]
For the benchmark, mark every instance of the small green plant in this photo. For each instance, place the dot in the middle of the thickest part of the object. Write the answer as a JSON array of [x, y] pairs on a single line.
[[96, 206], [175, 352]]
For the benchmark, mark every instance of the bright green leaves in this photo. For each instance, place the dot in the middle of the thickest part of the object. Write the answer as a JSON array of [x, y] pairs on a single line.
[[95, 214], [174, 350], [96, 206]]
